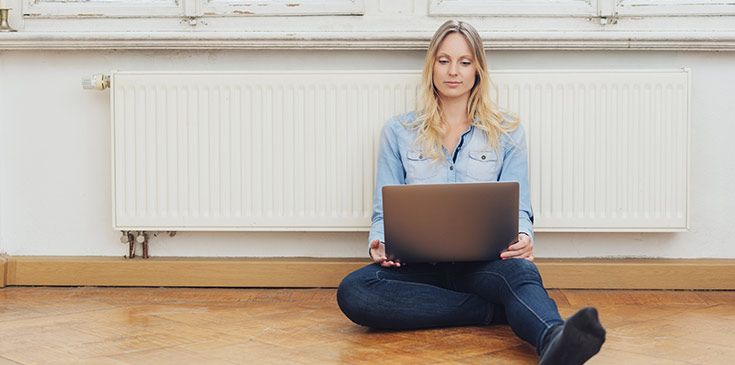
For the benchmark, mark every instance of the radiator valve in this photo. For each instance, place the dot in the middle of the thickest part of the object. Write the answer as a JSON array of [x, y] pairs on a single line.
[[96, 82]]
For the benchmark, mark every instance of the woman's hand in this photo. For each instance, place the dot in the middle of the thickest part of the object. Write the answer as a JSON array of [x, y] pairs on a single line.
[[377, 252], [523, 249]]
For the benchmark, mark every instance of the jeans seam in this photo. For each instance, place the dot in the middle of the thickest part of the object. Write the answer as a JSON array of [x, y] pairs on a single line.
[[541, 339], [516, 296]]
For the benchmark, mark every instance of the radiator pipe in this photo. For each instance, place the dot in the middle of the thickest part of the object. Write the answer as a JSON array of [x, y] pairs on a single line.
[[143, 240], [96, 82]]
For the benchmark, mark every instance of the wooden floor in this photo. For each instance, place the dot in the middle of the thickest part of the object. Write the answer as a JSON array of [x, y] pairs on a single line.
[[44, 325]]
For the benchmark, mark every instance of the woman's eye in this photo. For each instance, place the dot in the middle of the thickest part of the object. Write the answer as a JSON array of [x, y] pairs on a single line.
[[466, 63], [443, 61]]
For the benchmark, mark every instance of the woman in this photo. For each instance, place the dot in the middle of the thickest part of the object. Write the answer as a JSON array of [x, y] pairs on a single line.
[[459, 135]]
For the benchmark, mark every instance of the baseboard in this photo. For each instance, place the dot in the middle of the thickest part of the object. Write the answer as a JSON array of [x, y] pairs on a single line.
[[179, 271], [693, 274], [3, 268], [327, 272]]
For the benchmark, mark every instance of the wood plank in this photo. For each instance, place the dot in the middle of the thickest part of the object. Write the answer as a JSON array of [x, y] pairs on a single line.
[[717, 297], [695, 274], [4, 361]]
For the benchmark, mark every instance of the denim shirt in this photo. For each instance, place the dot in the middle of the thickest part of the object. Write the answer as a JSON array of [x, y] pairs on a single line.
[[401, 162]]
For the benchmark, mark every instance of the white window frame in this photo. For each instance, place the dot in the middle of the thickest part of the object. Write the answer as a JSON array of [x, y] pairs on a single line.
[[70, 9], [187, 8], [512, 8], [281, 7], [402, 24], [674, 8]]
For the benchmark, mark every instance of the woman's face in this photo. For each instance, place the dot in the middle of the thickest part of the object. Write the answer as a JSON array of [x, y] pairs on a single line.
[[454, 68]]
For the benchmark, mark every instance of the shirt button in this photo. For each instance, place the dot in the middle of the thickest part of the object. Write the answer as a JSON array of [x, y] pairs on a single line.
[[451, 168], [483, 157]]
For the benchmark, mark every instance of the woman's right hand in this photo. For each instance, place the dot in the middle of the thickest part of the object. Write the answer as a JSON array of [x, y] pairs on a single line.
[[377, 252]]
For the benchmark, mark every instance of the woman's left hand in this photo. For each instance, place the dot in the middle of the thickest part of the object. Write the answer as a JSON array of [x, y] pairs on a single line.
[[523, 249]]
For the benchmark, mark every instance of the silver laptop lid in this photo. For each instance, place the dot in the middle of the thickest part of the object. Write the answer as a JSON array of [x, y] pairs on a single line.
[[450, 222]]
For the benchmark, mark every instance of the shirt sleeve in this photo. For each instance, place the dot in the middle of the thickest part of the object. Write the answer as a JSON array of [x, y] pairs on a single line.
[[515, 168], [390, 172]]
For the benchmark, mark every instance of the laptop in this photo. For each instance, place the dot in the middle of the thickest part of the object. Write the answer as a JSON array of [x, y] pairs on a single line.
[[450, 222]]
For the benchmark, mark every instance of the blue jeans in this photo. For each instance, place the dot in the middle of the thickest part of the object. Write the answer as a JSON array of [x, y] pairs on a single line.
[[450, 294]]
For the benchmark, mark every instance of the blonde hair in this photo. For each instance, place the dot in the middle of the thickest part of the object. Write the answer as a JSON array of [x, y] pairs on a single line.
[[486, 113]]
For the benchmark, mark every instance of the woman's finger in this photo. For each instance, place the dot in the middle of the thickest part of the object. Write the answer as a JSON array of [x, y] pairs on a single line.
[[377, 254], [375, 244], [518, 246], [391, 263], [522, 242], [512, 254], [521, 249]]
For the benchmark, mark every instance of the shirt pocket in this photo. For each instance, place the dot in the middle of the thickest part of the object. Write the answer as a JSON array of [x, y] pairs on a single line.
[[419, 167], [483, 165]]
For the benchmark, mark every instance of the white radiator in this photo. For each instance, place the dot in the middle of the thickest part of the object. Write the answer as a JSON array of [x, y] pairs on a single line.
[[296, 150], [608, 150]]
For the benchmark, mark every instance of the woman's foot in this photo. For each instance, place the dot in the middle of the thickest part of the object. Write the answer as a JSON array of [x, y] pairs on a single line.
[[574, 342]]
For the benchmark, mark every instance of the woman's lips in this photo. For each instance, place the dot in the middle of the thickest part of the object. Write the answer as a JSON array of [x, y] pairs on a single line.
[[452, 83]]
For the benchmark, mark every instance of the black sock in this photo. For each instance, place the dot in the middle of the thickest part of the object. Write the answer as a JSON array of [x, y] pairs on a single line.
[[574, 342]]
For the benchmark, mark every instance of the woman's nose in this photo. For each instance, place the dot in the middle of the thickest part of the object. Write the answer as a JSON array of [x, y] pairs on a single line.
[[453, 69]]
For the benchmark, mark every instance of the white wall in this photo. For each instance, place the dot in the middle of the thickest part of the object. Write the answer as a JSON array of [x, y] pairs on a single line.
[[55, 195]]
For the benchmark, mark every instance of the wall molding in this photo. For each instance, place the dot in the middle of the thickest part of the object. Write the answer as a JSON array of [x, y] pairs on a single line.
[[377, 40], [694, 274]]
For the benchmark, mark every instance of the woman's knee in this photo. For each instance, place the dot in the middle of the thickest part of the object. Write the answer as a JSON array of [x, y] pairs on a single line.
[[521, 265], [354, 297], [517, 269], [347, 291]]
